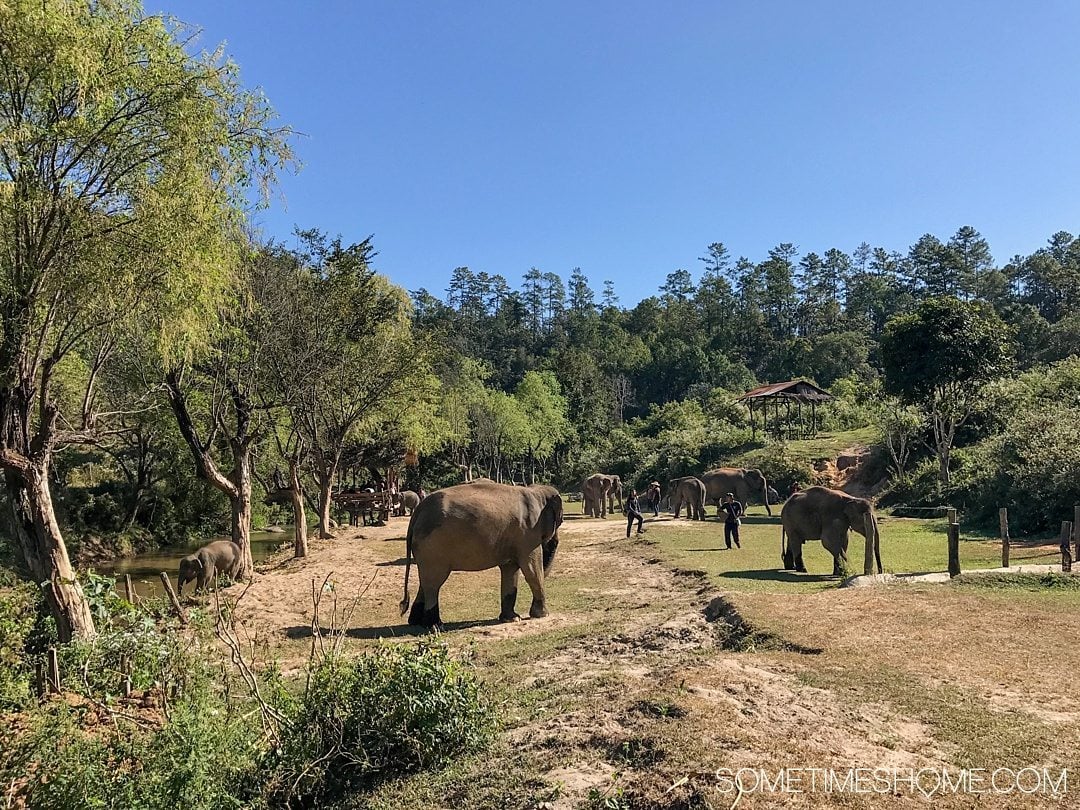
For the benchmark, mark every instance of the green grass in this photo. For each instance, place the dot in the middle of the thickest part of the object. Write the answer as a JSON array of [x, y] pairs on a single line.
[[824, 445], [907, 546]]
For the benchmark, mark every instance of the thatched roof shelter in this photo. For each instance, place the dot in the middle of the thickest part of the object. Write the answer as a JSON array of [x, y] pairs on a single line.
[[792, 425]]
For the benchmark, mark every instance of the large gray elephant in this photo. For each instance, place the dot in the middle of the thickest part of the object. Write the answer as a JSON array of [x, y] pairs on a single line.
[[480, 525], [689, 491], [828, 515], [206, 564], [745, 485], [599, 493]]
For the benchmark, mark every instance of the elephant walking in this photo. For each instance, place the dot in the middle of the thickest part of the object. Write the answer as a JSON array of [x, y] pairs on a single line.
[[481, 525], [599, 493], [206, 564], [689, 491], [745, 485], [825, 514], [408, 500]]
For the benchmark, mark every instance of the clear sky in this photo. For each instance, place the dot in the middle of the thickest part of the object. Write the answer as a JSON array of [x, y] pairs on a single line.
[[623, 137]]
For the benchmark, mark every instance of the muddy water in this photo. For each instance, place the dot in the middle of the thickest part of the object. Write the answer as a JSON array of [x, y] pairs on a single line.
[[145, 568]]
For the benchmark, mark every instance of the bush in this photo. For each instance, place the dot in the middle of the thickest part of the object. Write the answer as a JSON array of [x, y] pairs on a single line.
[[391, 711], [203, 757], [18, 611]]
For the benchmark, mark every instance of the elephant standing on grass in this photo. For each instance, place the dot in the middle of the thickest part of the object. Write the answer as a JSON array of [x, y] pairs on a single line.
[[480, 525], [825, 514], [745, 485], [689, 491], [206, 564], [599, 493]]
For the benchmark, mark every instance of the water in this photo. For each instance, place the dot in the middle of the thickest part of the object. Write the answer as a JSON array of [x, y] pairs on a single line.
[[145, 568]]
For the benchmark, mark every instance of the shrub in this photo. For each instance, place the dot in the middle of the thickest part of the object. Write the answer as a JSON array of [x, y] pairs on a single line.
[[18, 612], [390, 711]]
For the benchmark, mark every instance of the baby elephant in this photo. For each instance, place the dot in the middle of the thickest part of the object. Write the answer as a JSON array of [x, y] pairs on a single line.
[[206, 564], [409, 500]]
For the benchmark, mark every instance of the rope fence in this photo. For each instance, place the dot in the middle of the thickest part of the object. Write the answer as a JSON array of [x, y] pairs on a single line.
[[1068, 549]]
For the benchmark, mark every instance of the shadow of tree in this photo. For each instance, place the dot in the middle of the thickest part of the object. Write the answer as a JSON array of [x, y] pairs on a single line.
[[390, 631]]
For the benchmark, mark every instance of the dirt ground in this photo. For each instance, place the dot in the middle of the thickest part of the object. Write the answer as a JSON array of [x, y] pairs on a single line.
[[646, 680]]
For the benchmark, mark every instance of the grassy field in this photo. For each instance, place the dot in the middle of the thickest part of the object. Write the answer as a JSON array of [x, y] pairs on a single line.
[[667, 657], [907, 546]]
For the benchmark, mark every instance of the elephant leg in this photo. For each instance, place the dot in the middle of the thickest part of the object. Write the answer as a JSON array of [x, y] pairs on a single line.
[[207, 574], [425, 608], [836, 543], [794, 553], [509, 592], [533, 569]]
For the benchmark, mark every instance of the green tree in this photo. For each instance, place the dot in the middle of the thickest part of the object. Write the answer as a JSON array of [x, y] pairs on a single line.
[[938, 357], [125, 164]]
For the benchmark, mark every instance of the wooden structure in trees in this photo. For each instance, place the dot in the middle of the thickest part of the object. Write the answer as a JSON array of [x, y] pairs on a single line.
[[786, 394], [361, 504]]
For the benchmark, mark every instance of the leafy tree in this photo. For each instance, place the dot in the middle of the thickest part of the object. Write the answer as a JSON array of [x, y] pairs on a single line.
[[343, 358], [581, 295], [124, 167], [545, 410], [938, 357]]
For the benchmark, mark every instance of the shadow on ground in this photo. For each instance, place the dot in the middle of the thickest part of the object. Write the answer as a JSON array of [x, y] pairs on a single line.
[[390, 631], [775, 575]]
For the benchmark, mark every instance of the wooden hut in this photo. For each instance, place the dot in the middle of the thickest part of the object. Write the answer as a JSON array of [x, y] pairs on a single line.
[[792, 422]]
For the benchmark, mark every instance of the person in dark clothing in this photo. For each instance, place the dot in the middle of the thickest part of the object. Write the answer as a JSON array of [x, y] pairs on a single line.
[[733, 512], [633, 512], [653, 497]]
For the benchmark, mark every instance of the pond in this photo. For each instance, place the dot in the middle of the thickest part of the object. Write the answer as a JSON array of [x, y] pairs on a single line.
[[145, 568]]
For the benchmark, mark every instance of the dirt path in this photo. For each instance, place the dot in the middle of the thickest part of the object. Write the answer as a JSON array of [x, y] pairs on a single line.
[[642, 683]]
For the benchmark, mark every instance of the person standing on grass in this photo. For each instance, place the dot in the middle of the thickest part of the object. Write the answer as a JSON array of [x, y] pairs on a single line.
[[732, 520], [653, 497], [633, 512]]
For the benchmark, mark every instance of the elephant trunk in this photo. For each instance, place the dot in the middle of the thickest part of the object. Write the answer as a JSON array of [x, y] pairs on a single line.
[[765, 492]]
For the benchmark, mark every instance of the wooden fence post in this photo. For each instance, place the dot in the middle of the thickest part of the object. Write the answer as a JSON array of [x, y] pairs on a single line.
[[54, 671], [1076, 532], [129, 590], [954, 549], [173, 598], [950, 515], [1066, 545], [1003, 522], [868, 553]]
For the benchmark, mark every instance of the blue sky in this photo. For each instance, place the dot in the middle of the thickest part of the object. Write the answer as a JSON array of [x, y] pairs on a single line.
[[623, 137]]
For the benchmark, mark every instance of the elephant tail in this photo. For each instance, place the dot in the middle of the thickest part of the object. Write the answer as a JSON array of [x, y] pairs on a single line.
[[408, 565]]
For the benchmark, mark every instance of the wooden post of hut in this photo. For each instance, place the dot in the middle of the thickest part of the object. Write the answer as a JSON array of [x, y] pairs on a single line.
[[954, 549], [1066, 546], [1003, 524]]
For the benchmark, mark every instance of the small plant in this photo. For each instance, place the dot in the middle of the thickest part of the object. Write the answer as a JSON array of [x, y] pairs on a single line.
[[394, 710]]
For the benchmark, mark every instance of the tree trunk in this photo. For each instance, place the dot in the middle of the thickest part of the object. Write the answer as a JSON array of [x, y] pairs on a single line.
[[33, 522], [325, 476], [241, 512], [299, 515]]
